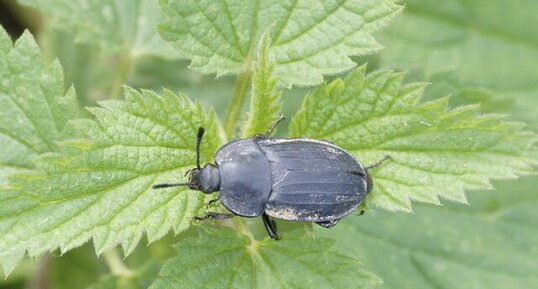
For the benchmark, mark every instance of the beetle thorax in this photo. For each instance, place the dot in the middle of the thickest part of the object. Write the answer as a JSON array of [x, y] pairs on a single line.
[[206, 180]]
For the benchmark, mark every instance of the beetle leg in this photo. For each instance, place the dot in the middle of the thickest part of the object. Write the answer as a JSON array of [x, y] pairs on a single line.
[[210, 202], [272, 128], [270, 226], [328, 224], [215, 215], [387, 157], [361, 212]]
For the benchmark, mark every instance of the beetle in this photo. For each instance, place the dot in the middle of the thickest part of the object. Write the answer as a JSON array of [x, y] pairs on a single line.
[[296, 179]]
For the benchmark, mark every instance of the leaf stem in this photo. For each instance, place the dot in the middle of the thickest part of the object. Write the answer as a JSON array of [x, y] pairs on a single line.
[[236, 105], [41, 279], [116, 264], [123, 69]]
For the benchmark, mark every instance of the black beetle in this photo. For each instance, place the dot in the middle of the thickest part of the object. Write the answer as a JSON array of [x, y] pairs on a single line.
[[292, 179]]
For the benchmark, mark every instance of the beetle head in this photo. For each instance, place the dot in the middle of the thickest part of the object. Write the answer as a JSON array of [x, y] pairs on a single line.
[[206, 180]]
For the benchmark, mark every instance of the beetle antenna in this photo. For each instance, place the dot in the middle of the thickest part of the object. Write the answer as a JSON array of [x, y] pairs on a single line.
[[387, 157], [198, 143], [162, 186]]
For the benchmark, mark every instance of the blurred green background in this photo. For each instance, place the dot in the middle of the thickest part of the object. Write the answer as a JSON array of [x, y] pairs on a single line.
[[480, 51]]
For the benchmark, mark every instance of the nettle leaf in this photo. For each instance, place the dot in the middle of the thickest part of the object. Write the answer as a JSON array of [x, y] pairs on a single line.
[[225, 259], [436, 152], [265, 104], [100, 185], [35, 107], [113, 25], [466, 39], [310, 38], [490, 244]]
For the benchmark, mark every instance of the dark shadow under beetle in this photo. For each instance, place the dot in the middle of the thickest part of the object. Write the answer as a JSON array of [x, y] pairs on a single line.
[[297, 179]]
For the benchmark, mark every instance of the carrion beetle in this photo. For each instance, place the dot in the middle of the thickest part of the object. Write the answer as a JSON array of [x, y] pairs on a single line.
[[297, 179]]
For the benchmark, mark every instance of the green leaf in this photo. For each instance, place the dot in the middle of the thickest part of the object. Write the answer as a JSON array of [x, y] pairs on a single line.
[[468, 40], [35, 107], [436, 152], [265, 104], [310, 38], [100, 185], [225, 259], [33, 119], [463, 49], [490, 244], [113, 25]]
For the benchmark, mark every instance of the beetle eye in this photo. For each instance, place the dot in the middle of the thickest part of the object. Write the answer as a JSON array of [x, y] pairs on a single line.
[[194, 179]]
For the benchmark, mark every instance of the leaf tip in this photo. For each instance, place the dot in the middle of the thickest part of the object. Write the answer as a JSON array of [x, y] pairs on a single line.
[[9, 260], [26, 40]]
